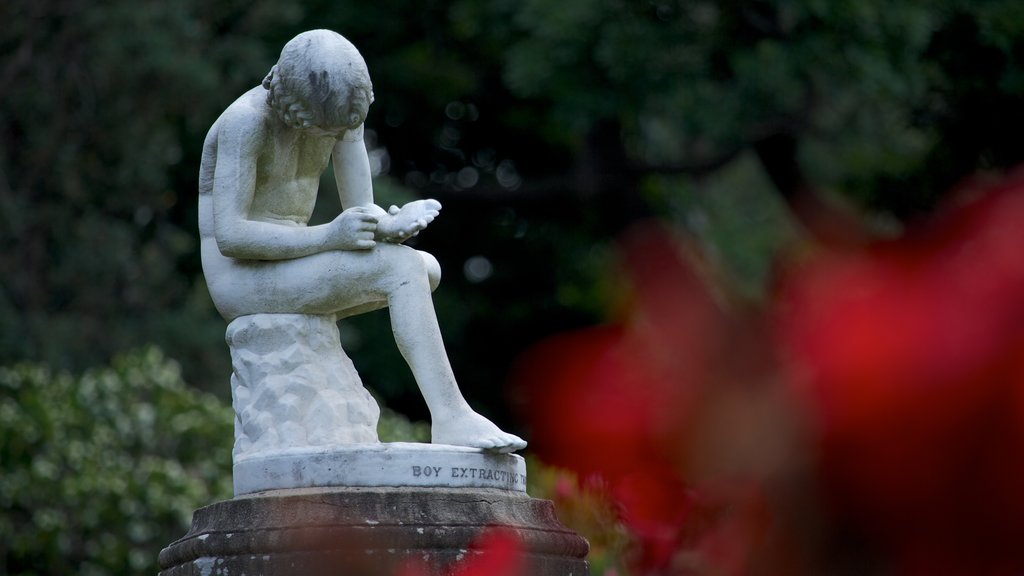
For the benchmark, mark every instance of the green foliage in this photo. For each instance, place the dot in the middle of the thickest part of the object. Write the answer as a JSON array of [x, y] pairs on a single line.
[[737, 221], [587, 508], [103, 470], [393, 427], [101, 126], [872, 90]]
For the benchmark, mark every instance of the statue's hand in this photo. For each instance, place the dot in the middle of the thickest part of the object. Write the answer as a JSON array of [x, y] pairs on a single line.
[[353, 229], [400, 224]]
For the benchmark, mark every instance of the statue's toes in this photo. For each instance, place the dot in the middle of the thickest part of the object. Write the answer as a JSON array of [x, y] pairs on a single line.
[[509, 443], [491, 444]]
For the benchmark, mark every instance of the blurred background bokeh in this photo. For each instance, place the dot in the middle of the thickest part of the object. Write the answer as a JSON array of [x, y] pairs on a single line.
[[747, 274]]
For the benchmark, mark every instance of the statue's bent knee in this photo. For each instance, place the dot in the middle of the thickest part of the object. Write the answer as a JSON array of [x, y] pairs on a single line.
[[405, 263], [433, 269]]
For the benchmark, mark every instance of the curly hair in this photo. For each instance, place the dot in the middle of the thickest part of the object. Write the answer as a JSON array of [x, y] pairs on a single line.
[[319, 81]]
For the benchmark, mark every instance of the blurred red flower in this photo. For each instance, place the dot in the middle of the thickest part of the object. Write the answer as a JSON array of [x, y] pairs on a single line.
[[616, 400], [908, 356], [889, 439]]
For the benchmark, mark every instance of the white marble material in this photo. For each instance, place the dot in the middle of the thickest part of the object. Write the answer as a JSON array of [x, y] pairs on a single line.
[[294, 386], [261, 168], [378, 465]]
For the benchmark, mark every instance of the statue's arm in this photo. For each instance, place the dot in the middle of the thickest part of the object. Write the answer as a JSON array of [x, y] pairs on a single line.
[[234, 185], [352, 171], [355, 188]]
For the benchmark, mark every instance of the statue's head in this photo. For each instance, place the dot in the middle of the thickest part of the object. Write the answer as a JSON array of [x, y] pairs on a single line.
[[320, 82]]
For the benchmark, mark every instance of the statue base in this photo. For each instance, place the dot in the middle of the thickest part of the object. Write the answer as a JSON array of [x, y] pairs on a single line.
[[369, 531], [379, 465], [293, 386]]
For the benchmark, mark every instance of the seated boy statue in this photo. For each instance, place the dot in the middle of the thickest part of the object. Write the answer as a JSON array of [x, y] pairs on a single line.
[[261, 168]]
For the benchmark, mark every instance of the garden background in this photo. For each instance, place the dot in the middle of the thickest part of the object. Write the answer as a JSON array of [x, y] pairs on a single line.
[[747, 274]]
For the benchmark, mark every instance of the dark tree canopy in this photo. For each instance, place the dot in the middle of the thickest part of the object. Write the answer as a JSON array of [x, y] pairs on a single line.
[[544, 127]]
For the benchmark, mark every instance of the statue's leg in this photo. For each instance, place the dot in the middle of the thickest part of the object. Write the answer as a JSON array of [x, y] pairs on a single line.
[[340, 282], [418, 337], [433, 276]]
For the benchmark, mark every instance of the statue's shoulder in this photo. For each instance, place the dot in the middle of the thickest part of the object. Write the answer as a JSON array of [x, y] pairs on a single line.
[[248, 117]]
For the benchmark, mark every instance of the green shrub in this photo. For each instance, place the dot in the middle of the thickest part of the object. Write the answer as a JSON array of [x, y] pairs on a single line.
[[103, 470], [393, 427]]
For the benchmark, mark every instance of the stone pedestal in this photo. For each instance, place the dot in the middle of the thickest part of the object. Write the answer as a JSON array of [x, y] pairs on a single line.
[[368, 531], [317, 495]]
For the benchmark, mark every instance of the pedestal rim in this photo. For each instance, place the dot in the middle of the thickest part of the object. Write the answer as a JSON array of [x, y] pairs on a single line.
[[384, 464], [367, 447]]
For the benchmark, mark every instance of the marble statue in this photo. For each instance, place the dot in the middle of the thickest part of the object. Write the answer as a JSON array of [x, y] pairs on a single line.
[[282, 284]]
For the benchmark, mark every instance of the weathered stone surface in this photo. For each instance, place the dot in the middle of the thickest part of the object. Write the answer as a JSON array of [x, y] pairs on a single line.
[[294, 387], [367, 531]]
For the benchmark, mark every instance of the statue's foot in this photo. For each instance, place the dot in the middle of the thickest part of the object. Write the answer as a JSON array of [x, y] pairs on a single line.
[[473, 430], [401, 223]]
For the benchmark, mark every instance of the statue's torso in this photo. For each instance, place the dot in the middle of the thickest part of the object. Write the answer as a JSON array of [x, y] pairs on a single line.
[[288, 171], [288, 166]]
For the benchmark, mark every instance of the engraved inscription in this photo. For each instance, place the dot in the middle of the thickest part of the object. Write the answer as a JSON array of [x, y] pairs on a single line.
[[485, 475], [427, 471], [501, 476]]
